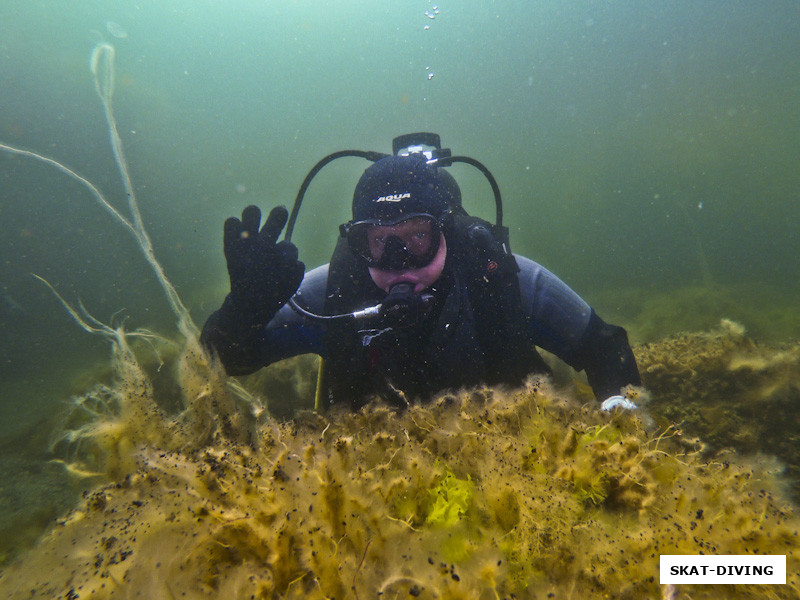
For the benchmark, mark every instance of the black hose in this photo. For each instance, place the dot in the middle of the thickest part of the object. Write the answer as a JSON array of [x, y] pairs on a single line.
[[369, 155]]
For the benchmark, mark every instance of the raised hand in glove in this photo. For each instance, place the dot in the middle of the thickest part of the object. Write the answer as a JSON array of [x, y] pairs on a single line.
[[264, 273]]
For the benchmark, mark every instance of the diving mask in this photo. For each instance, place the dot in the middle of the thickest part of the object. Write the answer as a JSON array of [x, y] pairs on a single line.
[[409, 243]]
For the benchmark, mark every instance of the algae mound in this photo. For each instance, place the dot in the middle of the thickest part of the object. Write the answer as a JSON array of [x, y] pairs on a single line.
[[483, 494], [729, 391]]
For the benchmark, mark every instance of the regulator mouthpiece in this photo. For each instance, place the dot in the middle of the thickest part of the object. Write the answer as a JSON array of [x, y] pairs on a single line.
[[402, 307]]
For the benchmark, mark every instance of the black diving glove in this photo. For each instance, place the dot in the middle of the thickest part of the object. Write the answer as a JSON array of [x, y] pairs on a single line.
[[264, 273]]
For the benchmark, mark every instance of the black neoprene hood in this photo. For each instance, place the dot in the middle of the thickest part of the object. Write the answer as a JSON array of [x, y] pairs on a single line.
[[396, 187]]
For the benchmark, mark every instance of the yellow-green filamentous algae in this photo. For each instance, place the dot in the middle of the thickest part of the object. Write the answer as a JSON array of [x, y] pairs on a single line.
[[486, 493]]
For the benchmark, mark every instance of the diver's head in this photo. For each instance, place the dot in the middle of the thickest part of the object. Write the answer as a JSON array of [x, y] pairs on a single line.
[[396, 186], [400, 206]]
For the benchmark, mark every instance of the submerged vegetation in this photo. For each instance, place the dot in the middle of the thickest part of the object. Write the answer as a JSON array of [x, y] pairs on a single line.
[[729, 391], [482, 494]]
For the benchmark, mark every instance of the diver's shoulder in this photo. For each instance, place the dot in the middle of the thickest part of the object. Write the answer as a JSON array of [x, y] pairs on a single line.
[[529, 267], [310, 295], [313, 287], [537, 281], [316, 276]]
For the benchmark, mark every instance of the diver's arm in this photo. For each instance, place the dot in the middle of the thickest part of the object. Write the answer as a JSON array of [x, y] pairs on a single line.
[[606, 356], [232, 337], [561, 322], [243, 346]]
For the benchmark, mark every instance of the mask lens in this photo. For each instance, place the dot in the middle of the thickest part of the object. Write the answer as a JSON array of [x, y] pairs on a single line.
[[409, 244]]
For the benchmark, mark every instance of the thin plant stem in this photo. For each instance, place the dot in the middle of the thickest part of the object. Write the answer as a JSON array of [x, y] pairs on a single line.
[[101, 65]]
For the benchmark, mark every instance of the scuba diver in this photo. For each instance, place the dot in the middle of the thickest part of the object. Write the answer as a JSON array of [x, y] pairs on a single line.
[[418, 297]]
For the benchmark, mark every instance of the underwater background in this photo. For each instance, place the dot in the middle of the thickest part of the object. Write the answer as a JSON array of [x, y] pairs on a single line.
[[647, 154]]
